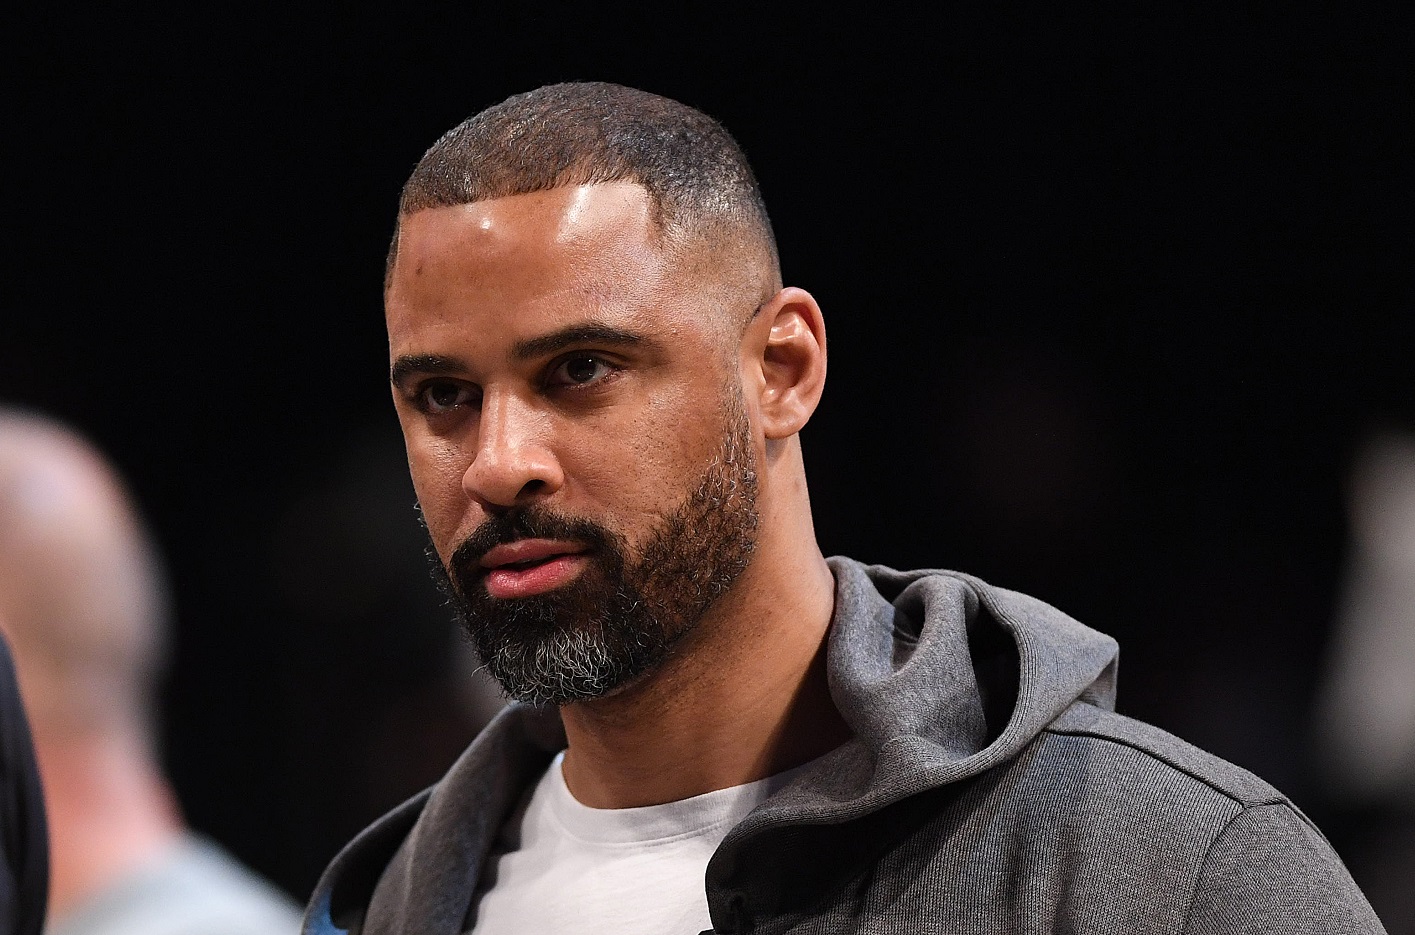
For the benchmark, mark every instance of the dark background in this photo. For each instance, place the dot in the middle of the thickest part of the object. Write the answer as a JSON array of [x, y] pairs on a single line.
[[1113, 298]]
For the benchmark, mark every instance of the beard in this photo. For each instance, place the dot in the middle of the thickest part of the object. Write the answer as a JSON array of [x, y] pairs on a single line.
[[623, 614]]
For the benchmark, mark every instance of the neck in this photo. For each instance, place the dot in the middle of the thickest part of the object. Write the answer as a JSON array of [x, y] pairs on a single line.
[[108, 812], [744, 697]]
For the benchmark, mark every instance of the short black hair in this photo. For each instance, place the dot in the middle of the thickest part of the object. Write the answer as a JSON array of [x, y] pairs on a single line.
[[576, 133]]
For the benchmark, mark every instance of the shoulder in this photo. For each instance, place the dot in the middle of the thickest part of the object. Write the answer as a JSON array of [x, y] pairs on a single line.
[[344, 889], [1254, 857], [199, 887], [1100, 792], [1159, 761]]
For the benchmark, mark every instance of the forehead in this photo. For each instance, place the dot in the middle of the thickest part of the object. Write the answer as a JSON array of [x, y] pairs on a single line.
[[525, 262]]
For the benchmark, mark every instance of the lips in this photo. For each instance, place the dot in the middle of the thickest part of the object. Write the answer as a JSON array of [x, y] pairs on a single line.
[[528, 567]]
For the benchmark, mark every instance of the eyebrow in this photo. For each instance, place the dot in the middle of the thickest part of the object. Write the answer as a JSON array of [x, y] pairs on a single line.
[[410, 365], [587, 333], [421, 364]]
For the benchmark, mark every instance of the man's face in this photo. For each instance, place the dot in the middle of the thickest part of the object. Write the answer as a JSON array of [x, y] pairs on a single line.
[[576, 431]]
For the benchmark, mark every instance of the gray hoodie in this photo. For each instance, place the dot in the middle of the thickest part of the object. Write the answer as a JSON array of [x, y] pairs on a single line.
[[989, 788]]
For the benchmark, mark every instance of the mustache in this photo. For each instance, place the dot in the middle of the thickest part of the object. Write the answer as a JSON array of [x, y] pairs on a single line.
[[524, 523]]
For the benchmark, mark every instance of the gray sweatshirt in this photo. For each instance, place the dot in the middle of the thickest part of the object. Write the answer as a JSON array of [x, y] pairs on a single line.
[[989, 788]]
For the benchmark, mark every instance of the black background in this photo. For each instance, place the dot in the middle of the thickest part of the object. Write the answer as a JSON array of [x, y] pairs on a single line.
[[1112, 299]]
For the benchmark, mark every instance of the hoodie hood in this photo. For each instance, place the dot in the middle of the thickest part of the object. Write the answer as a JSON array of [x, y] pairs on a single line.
[[942, 676], [939, 676]]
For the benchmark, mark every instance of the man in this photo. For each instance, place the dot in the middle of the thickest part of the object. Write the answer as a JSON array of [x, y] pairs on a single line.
[[83, 604], [601, 382]]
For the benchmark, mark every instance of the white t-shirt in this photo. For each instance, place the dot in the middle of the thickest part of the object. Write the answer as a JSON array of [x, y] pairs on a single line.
[[559, 866]]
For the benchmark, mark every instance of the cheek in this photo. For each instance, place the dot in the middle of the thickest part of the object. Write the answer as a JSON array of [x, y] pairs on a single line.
[[643, 467], [437, 472]]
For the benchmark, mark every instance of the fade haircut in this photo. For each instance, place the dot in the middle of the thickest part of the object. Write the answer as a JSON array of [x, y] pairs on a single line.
[[699, 184]]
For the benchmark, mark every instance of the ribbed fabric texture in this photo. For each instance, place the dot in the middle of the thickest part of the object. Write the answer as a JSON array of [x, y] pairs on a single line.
[[1085, 832]]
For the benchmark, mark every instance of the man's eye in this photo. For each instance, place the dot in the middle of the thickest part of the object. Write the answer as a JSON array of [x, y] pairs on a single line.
[[579, 371], [443, 397]]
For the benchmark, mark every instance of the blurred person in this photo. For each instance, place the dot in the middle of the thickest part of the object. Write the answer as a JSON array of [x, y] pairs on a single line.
[[1368, 701], [84, 605], [1366, 708], [601, 383]]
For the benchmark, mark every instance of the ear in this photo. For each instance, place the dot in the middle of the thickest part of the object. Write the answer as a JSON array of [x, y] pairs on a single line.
[[784, 357]]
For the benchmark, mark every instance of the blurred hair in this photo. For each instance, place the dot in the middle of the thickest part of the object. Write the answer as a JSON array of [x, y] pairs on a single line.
[[83, 596], [700, 186]]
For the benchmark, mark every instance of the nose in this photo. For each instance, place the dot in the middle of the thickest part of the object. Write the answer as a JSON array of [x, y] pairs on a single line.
[[513, 463]]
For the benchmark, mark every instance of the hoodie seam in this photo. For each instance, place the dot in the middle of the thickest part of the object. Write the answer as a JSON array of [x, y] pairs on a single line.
[[1276, 798]]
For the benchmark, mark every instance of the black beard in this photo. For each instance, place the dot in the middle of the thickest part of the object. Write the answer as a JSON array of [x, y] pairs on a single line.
[[622, 616]]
